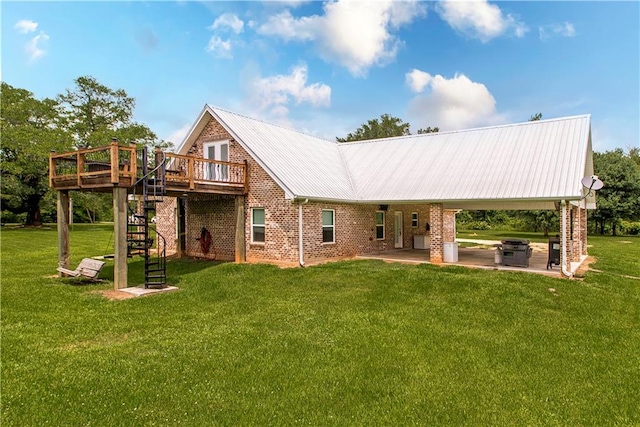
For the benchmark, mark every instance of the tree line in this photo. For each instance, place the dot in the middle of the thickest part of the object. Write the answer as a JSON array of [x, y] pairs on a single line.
[[91, 114], [88, 115]]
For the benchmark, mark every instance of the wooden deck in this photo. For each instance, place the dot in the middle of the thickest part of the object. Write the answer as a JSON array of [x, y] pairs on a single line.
[[103, 168]]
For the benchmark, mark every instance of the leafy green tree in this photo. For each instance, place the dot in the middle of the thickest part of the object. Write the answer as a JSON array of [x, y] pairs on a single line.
[[535, 117], [384, 127], [30, 131], [619, 199], [94, 114]]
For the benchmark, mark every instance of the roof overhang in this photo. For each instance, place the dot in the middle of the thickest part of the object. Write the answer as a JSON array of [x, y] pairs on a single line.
[[497, 204]]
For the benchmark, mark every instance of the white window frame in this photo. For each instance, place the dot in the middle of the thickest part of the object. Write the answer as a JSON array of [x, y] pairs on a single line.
[[333, 226], [384, 228], [216, 172], [259, 225], [415, 219]]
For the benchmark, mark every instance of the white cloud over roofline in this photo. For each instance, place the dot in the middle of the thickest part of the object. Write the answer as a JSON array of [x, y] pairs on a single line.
[[566, 29], [225, 23], [450, 104], [25, 26], [417, 80], [273, 94], [34, 47], [219, 47], [228, 21], [356, 35], [479, 19]]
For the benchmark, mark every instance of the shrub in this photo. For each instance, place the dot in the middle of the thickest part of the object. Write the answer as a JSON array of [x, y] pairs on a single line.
[[630, 227], [477, 225]]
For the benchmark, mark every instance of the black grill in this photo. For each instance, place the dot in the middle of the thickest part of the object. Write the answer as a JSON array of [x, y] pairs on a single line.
[[516, 252]]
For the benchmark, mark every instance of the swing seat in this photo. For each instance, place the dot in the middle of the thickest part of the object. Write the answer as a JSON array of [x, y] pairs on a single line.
[[89, 268]]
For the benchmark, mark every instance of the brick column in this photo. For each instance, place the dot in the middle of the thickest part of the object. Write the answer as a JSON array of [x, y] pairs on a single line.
[[583, 230], [576, 241], [436, 220], [449, 226], [567, 243]]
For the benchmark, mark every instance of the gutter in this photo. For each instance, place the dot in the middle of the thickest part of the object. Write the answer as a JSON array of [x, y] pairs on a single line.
[[300, 239]]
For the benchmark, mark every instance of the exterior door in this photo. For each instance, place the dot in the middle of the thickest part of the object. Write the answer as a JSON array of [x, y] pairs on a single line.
[[216, 151], [397, 230]]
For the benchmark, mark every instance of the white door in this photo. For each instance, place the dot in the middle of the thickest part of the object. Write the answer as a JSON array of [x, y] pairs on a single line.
[[397, 230], [216, 151]]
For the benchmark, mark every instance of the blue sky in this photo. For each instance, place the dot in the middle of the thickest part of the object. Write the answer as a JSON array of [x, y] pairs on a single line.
[[327, 67]]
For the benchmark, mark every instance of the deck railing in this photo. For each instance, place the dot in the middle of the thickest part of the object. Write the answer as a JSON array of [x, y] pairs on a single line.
[[194, 170], [88, 167], [117, 165]]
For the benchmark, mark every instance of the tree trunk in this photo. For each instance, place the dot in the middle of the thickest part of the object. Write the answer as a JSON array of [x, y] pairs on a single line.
[[34, 216], [613, 229]]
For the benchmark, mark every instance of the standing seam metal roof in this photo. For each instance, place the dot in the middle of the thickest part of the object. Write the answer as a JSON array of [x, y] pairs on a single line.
[[541, 160]]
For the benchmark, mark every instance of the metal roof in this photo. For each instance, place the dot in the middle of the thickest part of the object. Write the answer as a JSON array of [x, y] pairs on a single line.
[[526, 161], [526, 164]]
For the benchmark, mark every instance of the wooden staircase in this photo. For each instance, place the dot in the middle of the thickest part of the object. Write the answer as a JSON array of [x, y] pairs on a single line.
[[141, 232]]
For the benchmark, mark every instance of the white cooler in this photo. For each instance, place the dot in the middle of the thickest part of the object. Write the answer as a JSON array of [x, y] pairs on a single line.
[[450, 250]]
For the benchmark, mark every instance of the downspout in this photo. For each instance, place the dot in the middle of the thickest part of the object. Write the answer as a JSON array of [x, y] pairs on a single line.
[[564, 240], [300, 240]]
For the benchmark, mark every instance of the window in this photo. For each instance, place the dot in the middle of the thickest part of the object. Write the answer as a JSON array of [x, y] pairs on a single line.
[[257, 225], [328, 226], [414, 220], [380, 225]]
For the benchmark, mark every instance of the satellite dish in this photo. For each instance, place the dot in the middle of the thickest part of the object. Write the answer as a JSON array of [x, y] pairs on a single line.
[[592, 183]]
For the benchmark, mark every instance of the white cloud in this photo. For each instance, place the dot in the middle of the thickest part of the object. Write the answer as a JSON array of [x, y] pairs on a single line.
[[273, 94], [454, 103], [34, 47], [417, 80], [565, 29], [356, 35], [228, 21], [220, 48], [25, 26], [178, 136], [479, 19]]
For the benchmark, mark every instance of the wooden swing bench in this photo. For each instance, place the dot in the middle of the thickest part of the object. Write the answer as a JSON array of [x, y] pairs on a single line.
[[89, 268]]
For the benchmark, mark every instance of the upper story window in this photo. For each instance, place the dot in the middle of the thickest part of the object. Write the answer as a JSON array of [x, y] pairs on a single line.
[[257, 225], [328, 226], [217, 150], [380, 224]]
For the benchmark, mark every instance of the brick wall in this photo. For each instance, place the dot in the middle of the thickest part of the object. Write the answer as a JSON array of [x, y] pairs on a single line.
[[166, 221], [355, 227], [217, 215]]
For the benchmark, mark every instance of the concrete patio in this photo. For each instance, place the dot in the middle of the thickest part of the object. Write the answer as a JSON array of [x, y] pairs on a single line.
[[474, 257]]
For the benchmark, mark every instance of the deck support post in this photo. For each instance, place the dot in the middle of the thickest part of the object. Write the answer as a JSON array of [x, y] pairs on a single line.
[[120, 268], [241, 248], [63, 229]]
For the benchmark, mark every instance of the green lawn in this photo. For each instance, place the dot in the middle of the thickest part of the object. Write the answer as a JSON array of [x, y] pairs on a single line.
[[347, 343]]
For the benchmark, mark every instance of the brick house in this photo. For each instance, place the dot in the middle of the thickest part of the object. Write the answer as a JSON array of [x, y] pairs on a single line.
[[309, 199]]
